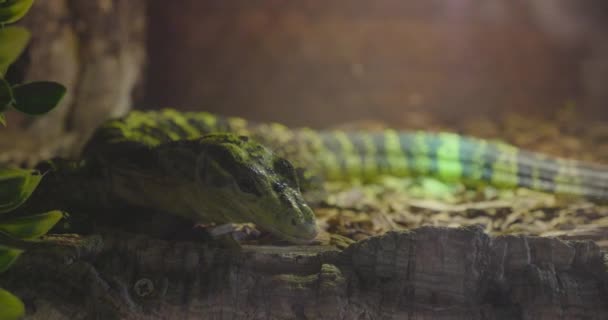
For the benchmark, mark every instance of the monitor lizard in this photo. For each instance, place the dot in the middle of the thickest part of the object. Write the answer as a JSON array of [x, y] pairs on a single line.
[[210, 168]]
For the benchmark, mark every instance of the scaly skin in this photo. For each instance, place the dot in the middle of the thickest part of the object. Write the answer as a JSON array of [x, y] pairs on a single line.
[[451, 157], [217, 177], [343, 155], [167, 160]]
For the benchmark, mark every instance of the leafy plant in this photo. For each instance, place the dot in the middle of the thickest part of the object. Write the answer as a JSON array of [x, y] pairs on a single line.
[[16, 185], [33, 98], [12, 307]]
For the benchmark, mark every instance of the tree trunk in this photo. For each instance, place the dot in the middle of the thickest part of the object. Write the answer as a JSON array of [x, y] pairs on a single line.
[[437, 273], [96, 49]]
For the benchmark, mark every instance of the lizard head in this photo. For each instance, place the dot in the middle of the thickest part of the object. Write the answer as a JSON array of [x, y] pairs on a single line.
[[242, 181]]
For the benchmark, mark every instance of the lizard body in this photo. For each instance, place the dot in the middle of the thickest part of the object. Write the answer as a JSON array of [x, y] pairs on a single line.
[[343, 155], [201, 166]]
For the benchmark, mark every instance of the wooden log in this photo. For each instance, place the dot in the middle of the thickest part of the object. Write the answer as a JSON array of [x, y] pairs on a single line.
[[427, 273]]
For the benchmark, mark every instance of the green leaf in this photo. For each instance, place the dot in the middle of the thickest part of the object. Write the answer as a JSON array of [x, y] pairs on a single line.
[[6, 95], [13, 41], [27, 228], [31, 227], [16, 185], [11, 308], [13, 10], [2, 119], [8, 256], [37, 98]]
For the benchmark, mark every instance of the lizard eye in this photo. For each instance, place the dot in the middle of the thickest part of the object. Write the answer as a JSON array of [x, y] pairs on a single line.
[[286, 170]]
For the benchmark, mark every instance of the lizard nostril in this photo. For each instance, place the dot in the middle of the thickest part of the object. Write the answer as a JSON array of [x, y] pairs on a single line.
[[294, 221]]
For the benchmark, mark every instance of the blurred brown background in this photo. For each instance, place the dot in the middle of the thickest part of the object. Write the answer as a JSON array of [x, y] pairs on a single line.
[[318, 63], [314, 63]]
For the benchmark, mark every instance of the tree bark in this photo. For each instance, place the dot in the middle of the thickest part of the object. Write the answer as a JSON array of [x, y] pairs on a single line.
[[437, 273], [95, 48]]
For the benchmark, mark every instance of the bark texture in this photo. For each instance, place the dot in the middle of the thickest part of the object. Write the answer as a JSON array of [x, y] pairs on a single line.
[[96, 49], [437, 273]]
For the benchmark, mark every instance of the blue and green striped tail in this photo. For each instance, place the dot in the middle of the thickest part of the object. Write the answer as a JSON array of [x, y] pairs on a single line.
[[451, 157]]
